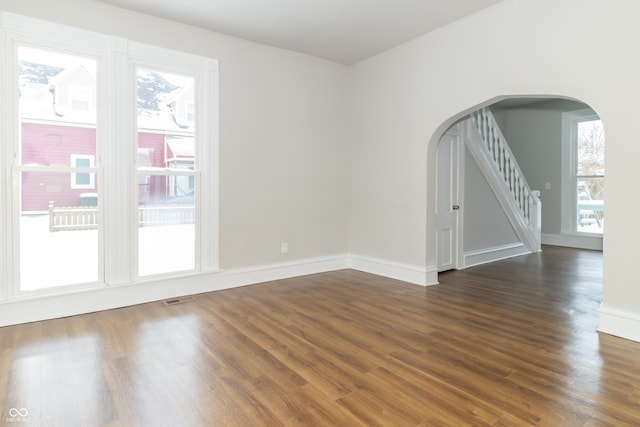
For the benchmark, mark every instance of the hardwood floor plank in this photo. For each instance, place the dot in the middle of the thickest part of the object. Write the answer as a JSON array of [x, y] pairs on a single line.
[[511, 343], [443, 401], [321, 410]]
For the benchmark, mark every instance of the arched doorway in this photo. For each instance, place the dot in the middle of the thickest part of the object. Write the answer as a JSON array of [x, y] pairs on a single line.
[[568, 173]]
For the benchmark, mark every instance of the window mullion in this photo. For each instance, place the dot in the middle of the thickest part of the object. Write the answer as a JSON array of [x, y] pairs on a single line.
[[117, 155]]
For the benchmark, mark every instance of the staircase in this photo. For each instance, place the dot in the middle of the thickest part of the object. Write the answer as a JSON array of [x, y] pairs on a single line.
[[488, 146]]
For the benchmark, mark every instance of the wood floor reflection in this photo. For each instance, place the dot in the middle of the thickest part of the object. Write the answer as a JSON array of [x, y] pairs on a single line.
[[505, 344]]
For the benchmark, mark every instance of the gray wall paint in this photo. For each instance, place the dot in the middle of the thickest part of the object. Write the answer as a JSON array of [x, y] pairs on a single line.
[[500, 114], [485, 224], [534, 134]]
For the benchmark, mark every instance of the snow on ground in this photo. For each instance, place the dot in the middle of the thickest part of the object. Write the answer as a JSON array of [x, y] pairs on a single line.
[[50, 259]]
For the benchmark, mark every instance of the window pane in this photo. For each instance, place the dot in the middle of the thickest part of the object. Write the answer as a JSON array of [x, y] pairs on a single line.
[[590, 205], [165, 119], [83, 163], [166, 140], [590, 177], [82, 180], [58, 233], [166, 232], [55, 122], [58, 209], [80, 99], [590, 148]]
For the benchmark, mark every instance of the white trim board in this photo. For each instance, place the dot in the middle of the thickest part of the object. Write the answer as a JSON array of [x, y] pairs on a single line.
[[619, 323], [497, 253], [573, 241], [52, 306], [612, 321], [423, 276]]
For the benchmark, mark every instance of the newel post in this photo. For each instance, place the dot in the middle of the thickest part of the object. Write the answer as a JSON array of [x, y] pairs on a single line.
[[536, 217]]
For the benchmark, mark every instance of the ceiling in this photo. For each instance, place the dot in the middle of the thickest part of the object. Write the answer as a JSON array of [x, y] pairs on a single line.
[[343, 31]]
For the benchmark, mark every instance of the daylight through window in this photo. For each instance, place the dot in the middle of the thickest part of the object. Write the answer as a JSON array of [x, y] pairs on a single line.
[[110, 156], [590, 176], [166, 172]]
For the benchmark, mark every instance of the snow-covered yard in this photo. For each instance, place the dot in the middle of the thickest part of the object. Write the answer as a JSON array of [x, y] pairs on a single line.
[[49, 259]]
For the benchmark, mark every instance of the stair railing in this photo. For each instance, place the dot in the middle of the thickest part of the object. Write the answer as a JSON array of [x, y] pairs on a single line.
[[527, 200]]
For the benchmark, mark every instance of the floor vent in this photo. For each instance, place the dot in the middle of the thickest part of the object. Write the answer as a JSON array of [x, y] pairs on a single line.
[[174, 301]]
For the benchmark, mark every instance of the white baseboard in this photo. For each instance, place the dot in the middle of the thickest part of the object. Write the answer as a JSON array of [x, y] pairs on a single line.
[[265, 273], [496, 253], [619, 323], [42, 307], [418, 275], [572, 241]]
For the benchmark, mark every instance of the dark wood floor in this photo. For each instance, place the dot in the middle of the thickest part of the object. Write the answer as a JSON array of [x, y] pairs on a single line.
[[507, 344]]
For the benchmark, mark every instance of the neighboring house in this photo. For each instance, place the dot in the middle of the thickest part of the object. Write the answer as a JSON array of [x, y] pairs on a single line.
[[58, 125], [74, 94], [182, 105]]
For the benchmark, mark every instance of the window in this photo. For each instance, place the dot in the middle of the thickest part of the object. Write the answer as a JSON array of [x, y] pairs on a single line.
[[590, 176], [80, 99], [82, 179], [583, 173], [114, 196], [167, 206], [190, 112], [57, 245]]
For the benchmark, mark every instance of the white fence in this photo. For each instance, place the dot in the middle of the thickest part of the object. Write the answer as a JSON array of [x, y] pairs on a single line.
[[162, 215], [72, 217], [86, 217]]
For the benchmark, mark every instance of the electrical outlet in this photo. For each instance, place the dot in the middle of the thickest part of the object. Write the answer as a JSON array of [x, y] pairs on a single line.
[[547, 186], [284, 247]]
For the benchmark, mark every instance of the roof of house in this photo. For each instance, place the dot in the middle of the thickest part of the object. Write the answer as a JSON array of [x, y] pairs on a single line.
[[182, 147], [37, 84], [68, 73]]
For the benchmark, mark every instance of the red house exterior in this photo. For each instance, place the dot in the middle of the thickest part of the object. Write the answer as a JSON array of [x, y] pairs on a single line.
[[59, 130], [54, 145]]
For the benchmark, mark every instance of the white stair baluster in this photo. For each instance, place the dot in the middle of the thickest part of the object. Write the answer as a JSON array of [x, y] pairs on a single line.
[[527, 201]]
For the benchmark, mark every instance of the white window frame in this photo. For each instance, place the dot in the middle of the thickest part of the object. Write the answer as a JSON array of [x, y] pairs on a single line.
[[204, 71], [569, 191], [82, 170], [115, 134], [18, 31]]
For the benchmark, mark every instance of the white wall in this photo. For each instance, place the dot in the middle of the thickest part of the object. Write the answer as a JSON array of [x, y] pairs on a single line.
[[282, 133], [283, 157], [406, 97], [295, 129]]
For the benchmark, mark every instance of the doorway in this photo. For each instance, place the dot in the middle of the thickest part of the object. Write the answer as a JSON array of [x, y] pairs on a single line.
[[449, 169]]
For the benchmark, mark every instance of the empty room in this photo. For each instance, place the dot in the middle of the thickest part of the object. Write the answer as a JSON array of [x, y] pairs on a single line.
[[353, 213]]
